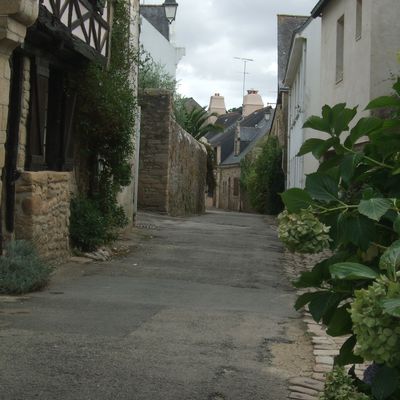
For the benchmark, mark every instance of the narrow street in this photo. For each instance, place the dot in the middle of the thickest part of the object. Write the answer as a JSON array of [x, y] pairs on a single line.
[[199, 310]]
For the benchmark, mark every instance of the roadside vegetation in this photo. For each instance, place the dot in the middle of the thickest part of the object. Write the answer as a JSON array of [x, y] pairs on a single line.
[[262, 178], [351, 205], [21, 269], [106, 120]]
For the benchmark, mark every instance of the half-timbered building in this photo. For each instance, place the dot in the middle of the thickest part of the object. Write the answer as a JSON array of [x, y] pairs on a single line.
[[45, 43]]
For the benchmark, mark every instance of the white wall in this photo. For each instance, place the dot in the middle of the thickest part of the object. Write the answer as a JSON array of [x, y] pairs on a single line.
[[385, 45], [303, 80], [160, 48], [368, 61]]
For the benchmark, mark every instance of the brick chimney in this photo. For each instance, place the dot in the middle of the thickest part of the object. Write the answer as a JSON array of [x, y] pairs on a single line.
[[252, 101]]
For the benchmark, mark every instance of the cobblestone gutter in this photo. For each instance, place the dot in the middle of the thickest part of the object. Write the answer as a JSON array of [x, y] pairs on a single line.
[[325, 347]]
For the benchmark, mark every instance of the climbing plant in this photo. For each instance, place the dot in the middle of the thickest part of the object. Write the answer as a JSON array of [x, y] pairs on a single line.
[[105, 122], [355, 198]]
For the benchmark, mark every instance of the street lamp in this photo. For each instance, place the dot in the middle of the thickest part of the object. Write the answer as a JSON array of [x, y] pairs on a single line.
[[170, 7]]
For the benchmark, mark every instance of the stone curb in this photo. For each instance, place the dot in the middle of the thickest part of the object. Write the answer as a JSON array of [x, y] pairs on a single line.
[[325, 347]]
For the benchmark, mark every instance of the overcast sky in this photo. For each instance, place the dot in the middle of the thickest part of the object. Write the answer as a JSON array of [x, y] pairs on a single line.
[[215, 31]]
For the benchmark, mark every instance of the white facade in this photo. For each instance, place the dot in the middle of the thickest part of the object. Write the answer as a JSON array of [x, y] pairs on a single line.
[[349, 55], [303, 82], [369, 55], [161, 50]]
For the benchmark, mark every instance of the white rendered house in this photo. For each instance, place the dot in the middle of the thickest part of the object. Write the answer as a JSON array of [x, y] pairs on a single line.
[[302, 81]]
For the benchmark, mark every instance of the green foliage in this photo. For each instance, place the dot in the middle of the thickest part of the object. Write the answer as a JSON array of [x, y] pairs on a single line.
[[303, 232], [211, 162], [263, 178], [106, 118], [92, 225], [339, 386], [356, 192], [194, 121], [21, 270], [152, 75], [378, 333]]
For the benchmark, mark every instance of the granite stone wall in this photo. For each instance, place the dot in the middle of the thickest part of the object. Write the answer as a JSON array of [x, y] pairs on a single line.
[[172, 164], [42, 212]]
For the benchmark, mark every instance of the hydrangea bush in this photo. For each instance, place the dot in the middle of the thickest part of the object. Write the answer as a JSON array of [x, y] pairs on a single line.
[[352, 205]]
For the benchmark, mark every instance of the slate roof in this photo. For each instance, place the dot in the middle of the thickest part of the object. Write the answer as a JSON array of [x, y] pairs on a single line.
[[155, 14], [287, 25], [225, 121], [252, 128]]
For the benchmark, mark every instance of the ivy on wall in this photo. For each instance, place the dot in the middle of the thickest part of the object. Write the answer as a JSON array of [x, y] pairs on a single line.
[[105, 126]]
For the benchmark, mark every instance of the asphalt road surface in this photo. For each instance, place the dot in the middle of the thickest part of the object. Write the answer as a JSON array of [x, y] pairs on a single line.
[[200, 309]]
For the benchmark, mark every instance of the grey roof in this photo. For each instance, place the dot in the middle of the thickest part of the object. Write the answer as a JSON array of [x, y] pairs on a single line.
[[252, 128], [155, 14], [317, 10], [190, 104], [245, 146], [287, 25], [225, 121]]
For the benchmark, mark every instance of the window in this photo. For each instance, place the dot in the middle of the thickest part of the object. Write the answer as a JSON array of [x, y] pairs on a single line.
[[340, 49], [49, 145], [359, 20], [236, 186]]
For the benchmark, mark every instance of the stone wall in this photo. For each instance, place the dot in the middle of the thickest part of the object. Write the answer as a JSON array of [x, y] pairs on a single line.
[[172, 165], [228, 198], [42, 212]]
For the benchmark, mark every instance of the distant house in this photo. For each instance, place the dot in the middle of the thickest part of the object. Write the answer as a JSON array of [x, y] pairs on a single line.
[[287, 25], [241, 133], [156, 38], [302, 82]]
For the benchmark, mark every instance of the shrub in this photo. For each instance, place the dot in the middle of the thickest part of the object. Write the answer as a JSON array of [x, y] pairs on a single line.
[[339, 386], [378, 333], [21, 270], [263, 179], [303, 232], [91, 226], [355, 192]]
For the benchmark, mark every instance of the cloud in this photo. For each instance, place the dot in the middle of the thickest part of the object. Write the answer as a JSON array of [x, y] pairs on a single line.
[[215, 31]]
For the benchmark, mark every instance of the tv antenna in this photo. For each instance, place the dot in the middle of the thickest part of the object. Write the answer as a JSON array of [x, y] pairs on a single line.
[[245, 61]]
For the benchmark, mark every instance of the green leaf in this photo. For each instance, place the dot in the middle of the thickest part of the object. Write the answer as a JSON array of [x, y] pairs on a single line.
[[348, 166], [296, 199], [391, 307], [384, 101], [341, 117], [396, 225], [390, 259], [323, 304], [318, 147], [385, 383], [374, 208], [310, 145], [322, 187], [364, 127], [305, 298], [340, 323], [318, 124], [356, 229], [346, 355], [350, 271]]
